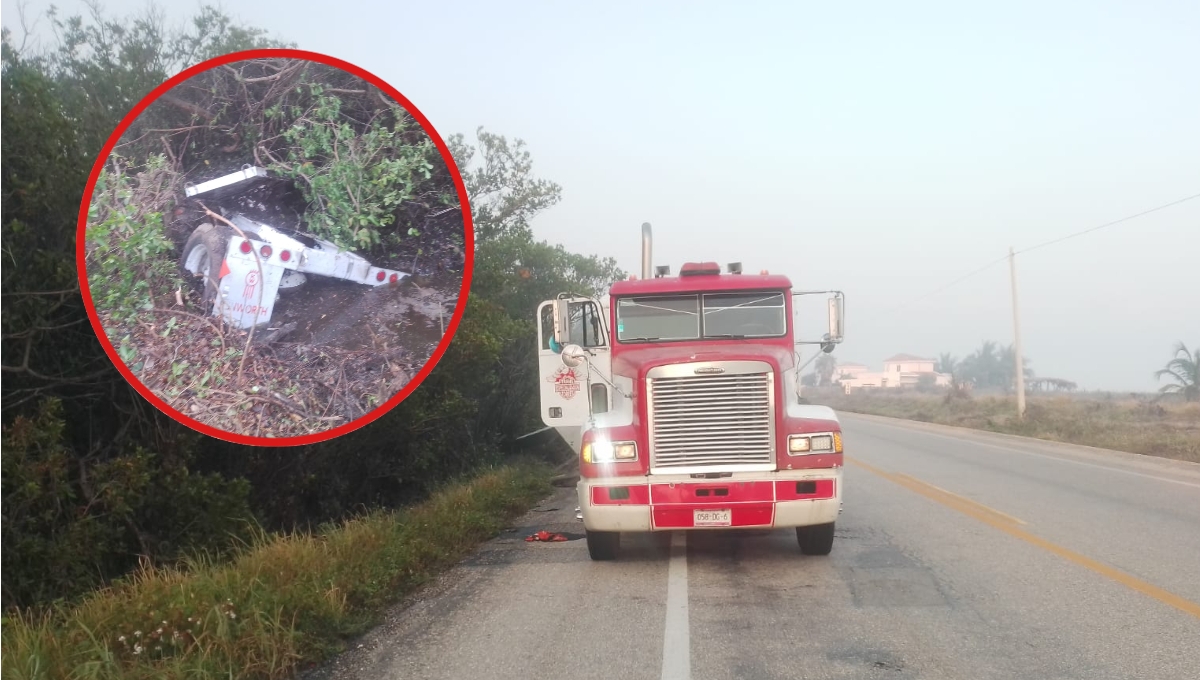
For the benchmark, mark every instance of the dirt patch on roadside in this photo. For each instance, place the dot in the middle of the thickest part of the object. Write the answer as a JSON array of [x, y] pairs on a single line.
[[352, 317]]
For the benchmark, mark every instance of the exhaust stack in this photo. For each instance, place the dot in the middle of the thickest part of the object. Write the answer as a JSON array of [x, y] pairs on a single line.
[[647, 268]]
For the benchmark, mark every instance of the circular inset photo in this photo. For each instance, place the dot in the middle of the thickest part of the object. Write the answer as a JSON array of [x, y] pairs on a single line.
[[275, 247]]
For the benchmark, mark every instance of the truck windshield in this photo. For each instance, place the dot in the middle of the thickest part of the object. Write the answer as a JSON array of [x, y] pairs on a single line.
[[692, 316]]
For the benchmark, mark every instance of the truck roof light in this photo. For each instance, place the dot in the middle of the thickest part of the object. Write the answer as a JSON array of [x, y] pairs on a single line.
[[266, 251], [380, 276], [735, 267], [700, 269], [245, 247], [662, 270]]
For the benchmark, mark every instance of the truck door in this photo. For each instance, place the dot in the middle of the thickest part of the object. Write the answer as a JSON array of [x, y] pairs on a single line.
[[570, 394]]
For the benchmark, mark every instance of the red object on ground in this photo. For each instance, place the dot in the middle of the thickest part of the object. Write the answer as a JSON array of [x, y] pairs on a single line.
[[546, 536]]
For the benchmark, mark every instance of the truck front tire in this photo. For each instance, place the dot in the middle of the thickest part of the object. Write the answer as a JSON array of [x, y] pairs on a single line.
[[202, 257], [603, 545], [816, 539]]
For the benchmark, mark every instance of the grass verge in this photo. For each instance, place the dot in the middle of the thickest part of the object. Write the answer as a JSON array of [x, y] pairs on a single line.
[[282, 604], [1169, 430]]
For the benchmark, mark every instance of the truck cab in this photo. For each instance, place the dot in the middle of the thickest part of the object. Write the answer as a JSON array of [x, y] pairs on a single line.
[[678, 393]]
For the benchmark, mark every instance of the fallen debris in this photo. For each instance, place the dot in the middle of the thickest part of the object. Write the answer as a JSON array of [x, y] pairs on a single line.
[[546, 537], [276, 334]]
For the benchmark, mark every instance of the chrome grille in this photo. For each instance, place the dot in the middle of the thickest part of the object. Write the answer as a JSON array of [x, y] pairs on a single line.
[[712, 421]]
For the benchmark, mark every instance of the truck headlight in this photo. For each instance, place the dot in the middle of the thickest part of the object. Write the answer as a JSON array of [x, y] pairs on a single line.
[[822, 442], [803, 444], [608, 452], [798, 444]]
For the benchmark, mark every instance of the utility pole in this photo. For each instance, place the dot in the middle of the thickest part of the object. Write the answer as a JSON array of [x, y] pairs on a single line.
[[1012, 272]]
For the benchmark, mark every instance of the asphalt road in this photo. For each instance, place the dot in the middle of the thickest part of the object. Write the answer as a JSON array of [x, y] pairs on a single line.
[[959, 555]]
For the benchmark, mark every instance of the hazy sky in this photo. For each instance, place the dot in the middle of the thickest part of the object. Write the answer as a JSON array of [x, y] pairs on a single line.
[[881, 148]]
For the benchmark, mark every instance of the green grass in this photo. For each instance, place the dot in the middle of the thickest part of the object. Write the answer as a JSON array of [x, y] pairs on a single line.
[[1170, 430], [282, 604]]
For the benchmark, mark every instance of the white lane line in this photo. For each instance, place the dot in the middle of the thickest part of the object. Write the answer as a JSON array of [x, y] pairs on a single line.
[[968, 440], [677, 650]]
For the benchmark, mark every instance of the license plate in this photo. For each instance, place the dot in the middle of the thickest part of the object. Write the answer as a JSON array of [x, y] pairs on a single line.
[[712, 518]]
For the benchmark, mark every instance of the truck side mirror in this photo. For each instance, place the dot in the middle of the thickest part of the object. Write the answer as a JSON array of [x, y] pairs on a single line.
[[573, 355], [562, 321], [836, 320]]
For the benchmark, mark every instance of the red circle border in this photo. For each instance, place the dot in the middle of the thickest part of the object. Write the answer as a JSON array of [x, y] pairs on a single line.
[[468, 236]]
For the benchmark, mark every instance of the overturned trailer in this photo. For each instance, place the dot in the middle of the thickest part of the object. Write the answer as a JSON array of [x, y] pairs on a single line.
[[245, 267]]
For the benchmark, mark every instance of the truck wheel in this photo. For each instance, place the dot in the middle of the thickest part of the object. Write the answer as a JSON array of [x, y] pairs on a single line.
[[291, 282], [816, 539], [603, 545], [203, 254]]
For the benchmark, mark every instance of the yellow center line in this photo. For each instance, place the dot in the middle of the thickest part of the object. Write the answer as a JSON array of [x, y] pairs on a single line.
[[913, 481], [1009, 525]]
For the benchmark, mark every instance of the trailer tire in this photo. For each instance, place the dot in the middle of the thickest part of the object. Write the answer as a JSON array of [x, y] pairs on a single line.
[[291, 282], [816, 539], [603, 545], [203, 254]]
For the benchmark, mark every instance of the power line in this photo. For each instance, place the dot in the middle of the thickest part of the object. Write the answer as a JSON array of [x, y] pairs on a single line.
[[1107, 224], [962, 278], [997, 261]]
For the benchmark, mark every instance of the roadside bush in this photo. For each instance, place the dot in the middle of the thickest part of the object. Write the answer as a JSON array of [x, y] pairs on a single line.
[[70, 524], [355, 182], [129, 257]]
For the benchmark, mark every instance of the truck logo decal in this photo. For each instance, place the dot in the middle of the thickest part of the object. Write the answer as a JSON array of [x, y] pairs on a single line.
[[251, 282], [709, 370], [251, 309], [566, 384]]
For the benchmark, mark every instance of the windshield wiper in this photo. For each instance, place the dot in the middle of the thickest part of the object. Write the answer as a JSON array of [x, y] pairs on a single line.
[[639, 339], [727, 336]]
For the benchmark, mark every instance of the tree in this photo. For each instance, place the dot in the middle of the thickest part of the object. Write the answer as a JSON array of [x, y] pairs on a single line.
[[981, 367], [505, 196], [926, 381], [94, 476], [825, 367], [89, 464], [1008, 361], [946, 363], [1184, 370], [991, 367]]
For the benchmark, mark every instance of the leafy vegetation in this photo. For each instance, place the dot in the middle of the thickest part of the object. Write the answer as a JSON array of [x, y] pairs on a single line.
[[1184, 371], [280, 603], [71, 522], [353, 182], [991, 367], [97, 481], [131, 257]]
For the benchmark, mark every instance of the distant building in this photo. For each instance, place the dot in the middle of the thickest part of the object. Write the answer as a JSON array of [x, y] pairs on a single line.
[[849, 370], [902, 370]]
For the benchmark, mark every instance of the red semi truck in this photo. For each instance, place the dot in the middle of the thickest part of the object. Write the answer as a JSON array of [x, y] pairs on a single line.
[[681, 396]]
